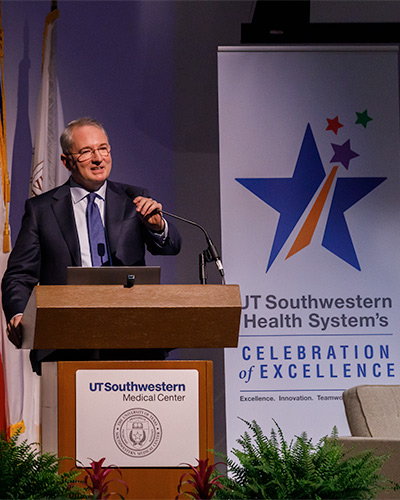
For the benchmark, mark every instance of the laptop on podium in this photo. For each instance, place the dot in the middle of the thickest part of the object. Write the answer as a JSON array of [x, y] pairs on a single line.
[[114, 275]]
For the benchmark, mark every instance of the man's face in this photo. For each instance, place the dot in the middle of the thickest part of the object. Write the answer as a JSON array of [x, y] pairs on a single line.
[[92, 172]]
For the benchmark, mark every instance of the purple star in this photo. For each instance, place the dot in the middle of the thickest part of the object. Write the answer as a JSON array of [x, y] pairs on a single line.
[[343, 154]]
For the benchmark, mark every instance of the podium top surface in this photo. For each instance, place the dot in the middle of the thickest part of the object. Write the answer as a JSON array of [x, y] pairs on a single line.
[[144, 316]]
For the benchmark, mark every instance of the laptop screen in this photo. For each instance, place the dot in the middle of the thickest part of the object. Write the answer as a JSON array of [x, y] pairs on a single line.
[[114, 275]]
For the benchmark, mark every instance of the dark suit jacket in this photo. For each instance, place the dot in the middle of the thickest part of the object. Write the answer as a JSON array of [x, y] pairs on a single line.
[[48, 241]]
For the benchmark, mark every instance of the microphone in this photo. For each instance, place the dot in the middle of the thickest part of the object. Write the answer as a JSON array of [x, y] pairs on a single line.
[[101, 249], [211, 254]]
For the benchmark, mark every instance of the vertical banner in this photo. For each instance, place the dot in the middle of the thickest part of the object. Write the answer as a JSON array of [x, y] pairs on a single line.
[[309, 151]]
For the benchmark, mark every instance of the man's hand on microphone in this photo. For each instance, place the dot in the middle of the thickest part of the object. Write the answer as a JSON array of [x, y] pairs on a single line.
[[150, 211], [14, 330]]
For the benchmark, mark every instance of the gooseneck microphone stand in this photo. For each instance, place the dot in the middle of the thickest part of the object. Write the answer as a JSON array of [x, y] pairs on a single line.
[[210, 254]]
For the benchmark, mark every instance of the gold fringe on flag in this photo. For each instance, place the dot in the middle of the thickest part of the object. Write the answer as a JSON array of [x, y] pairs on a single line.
[[3, 147]]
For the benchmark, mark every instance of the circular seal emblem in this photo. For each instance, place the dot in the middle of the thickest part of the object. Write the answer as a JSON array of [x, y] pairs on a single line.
[[137, 432]]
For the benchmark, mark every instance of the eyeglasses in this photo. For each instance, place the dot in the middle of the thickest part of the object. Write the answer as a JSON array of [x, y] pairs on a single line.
[[87, 154]]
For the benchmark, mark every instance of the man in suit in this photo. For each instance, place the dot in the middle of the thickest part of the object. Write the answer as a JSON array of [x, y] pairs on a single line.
[[54, 231]]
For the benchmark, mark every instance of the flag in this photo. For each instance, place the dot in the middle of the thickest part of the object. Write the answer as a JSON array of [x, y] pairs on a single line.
[[22, 385], [5, 180], [46, 172], [3, 339], [5, 190], [3, 421]]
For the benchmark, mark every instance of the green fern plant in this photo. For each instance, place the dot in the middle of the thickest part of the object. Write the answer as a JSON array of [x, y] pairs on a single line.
[[25, 473], [272, 468]]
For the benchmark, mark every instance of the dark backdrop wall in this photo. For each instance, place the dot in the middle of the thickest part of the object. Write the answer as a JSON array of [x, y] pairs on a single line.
[[148, 70]]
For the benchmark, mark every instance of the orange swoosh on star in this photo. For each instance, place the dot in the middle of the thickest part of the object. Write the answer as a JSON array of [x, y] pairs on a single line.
[[307, 231]]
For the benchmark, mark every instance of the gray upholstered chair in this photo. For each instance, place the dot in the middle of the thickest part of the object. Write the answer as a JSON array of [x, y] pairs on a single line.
[[373, 415]]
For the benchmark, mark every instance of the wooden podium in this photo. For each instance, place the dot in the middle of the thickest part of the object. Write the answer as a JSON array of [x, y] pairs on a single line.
[[104, 317], [145, 316], [59, 422]]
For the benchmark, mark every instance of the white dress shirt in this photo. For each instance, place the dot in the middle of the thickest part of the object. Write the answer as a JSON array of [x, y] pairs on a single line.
[[79, 204]]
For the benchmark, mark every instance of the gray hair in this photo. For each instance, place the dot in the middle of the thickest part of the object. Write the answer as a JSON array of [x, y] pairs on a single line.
[[66, 136]]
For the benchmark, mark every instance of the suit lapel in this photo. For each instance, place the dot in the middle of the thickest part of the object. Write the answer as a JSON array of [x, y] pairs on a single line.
[[62, 207], [117, 205]]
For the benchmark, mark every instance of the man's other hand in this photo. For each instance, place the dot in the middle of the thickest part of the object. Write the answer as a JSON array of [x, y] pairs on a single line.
[[14, 330]]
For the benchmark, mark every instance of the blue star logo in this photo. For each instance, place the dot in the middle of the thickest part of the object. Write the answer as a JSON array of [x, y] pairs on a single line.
[[291, 197]]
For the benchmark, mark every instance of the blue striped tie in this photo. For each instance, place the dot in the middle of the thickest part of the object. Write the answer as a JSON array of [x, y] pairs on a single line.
[[97, 237]]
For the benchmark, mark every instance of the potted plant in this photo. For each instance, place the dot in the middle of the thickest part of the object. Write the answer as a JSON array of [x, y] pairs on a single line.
[[25, 473], [97, 480], [201, 483], [272, 468]]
